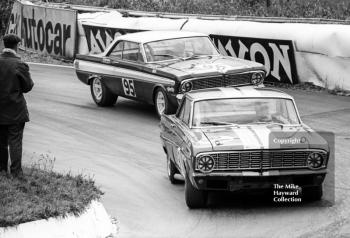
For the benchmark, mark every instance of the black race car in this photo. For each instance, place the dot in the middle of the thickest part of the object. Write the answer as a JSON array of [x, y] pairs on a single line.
[[159, 66]]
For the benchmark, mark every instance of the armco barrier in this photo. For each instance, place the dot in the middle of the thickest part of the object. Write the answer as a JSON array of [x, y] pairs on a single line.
[[45, 30], [321, 51], [291, 52]]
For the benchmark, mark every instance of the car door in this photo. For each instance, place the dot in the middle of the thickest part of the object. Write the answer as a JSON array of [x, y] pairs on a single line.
[[181, 121], [168, 133], [127, 61]]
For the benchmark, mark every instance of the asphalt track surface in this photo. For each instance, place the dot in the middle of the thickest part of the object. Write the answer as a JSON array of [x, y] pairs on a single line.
[[120, 147]]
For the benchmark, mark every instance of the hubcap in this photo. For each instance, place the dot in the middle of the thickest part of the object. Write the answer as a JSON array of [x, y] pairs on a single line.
[[97, 88], [160, 101]]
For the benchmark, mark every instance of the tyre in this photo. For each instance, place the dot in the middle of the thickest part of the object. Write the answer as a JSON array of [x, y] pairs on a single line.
[[101, 94], [194, 198], [172, 170], [313, 193], [162, 103]]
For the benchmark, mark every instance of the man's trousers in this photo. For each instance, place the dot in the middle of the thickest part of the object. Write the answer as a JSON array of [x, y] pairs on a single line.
[[11, 142]]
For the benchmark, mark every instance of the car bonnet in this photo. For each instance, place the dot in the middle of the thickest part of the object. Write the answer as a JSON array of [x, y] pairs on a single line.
[[207, 66], [253, 137]]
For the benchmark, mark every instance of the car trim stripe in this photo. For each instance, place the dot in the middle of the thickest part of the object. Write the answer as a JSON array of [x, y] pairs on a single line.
[[247, 137], [98, 68], [228, 92], [263, 135], [250, 92], [257, 137]]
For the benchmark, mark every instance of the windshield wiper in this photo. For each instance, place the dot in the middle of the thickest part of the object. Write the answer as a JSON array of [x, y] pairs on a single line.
[[169, 56], [275, 124], [218, 123], [268, 123], [196, 57]]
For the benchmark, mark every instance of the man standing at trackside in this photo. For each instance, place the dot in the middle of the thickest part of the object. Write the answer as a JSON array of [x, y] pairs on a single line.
[[14, 81]]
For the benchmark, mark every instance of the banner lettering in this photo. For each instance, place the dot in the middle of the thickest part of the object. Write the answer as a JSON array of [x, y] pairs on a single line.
[[14, 25], [99, 38], [44, 30], [276, 55]]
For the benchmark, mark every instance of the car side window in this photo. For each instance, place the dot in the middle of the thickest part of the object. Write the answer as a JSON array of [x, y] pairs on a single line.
[[184, 112], [117, 51], [180, 111], [132, 52]]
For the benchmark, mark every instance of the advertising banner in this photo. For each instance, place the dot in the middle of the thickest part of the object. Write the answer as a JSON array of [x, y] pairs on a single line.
[[276, 55], [49, 30], [14, 25], [98, 38]]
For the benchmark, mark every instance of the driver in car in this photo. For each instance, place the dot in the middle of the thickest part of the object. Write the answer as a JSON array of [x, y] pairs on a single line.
[[262, 112]]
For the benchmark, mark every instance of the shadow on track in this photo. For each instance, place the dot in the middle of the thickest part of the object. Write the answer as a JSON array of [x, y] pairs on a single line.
[[134, 109], [255, 199]]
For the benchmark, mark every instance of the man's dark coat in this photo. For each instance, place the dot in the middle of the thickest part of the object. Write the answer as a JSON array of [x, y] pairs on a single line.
[[14, 81]]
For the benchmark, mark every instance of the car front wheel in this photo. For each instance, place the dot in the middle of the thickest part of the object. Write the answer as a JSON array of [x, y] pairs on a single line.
[[101, 94], [194, 198], [163, 106]]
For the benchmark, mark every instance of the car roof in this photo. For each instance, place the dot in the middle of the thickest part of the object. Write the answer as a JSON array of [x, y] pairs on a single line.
[[149, 36], [237, 92]]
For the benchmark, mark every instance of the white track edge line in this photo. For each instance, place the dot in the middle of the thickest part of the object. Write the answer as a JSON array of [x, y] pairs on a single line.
[[51, 65]]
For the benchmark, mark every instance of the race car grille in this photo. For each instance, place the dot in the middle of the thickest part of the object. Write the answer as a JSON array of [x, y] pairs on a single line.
[[260, 160], [221, 81]]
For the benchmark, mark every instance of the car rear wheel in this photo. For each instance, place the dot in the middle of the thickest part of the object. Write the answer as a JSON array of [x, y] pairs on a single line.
[[194, 198], [313, 193], [172, 170], [101, 94], [162, 103]]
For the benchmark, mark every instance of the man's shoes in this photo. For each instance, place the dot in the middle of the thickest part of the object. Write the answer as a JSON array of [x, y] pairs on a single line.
[[20, 176], [3, 173]]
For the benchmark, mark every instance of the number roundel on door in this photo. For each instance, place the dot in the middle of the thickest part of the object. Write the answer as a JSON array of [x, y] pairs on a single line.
[[129, 88]]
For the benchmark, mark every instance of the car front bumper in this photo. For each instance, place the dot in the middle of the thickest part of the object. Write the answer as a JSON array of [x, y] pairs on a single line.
[[255, 180]]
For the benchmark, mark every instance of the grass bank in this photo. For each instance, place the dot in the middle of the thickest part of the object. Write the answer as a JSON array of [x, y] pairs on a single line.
[[43, 195], [330, 9]]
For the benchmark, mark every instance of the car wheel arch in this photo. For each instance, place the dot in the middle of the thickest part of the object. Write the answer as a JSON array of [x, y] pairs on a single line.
[[105, 96], [184, 168], [166, 106], [92, 77], [155, 90]]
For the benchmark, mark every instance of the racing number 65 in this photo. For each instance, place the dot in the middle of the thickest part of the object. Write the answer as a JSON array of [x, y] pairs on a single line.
[[129, 88]]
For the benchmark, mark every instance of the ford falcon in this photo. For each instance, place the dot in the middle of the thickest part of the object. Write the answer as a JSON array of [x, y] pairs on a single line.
[[158, 67], [238, 138]]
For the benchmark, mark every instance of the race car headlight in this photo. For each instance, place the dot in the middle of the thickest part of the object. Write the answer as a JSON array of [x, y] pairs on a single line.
[[315, 160], [186, 87], [257, 78], [205, 164]]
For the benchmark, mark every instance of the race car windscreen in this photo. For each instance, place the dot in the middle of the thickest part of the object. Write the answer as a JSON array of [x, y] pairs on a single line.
[[179, 48], [244, 111]]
